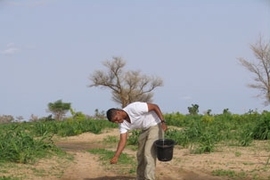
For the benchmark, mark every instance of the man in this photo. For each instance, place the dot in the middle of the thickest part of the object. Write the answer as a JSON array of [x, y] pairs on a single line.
[[148, 118]]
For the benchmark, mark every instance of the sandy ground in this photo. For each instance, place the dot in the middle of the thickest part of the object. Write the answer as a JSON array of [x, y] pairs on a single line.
[[245, 163], [251, 161]]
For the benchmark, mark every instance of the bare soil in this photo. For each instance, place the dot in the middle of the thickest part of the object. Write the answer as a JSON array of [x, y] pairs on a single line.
[[230, 163]]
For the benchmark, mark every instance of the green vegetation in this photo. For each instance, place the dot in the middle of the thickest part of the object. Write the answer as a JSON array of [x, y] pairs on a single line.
[[27, 142], [107, 154], [69, 127], [201, 132], [19, 146], [125, 160], [204, 132], [230, 173], [8, 178]]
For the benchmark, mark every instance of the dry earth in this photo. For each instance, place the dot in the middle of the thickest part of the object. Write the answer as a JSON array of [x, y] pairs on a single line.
[[236, 162]]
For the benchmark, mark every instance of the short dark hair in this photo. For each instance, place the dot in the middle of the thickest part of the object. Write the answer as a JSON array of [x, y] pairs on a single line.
[[111, 113]]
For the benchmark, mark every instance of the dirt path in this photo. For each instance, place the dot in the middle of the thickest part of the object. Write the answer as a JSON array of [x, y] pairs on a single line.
[[184, 166], [228, 163], [86, 166]]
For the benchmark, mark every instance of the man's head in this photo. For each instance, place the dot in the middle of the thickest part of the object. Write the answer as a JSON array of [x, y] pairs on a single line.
[[115, 115]]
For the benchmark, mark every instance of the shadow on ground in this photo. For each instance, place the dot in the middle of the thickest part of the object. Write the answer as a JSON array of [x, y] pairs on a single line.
[[112, 178]]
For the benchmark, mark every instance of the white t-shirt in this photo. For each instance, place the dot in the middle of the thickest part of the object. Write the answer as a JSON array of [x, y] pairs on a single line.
[[140, 117]]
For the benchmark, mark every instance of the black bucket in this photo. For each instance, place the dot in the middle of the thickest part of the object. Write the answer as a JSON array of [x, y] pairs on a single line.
[[164, 149]]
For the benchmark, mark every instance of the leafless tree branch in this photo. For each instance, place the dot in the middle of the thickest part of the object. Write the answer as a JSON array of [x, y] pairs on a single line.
[[126, 86], [260, 68]]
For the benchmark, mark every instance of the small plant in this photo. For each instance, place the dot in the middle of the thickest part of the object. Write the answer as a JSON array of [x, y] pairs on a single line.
[[229, 173], [237, 154], [110, 139], [133, 138], [246, 135], [8, 178], [180, 137], [221, 172], [206, 144], [124, 160], [107, 155]]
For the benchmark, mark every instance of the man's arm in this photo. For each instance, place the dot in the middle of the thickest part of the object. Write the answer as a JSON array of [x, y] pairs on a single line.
[[154, 107], [121, 145]]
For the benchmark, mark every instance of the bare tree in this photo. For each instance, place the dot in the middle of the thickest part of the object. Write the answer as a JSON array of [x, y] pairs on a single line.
[[126, 86], [260, 68]]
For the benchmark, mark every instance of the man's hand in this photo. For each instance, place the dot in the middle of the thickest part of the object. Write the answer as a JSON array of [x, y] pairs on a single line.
[[114, 160], [164, 126]]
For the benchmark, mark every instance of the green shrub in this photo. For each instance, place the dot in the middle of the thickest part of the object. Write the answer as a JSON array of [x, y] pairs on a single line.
[[246, 135], [206, 143], [262, 128], [175, 119], [18, 146], [133, 137], [178, 136]]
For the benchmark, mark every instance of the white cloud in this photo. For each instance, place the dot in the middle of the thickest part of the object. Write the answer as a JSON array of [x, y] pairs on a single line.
[[10, 49]]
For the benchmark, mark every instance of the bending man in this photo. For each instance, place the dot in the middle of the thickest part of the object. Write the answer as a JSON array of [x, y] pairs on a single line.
[[147, 117]]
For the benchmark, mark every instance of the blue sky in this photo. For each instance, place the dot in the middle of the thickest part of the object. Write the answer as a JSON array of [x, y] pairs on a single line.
[[49, 48]]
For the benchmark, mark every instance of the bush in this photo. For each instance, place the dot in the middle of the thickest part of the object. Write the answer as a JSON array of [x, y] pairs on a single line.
[[19, 146], [261, 130]]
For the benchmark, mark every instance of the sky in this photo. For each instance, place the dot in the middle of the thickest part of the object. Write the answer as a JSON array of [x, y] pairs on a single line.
[[49, 49]]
